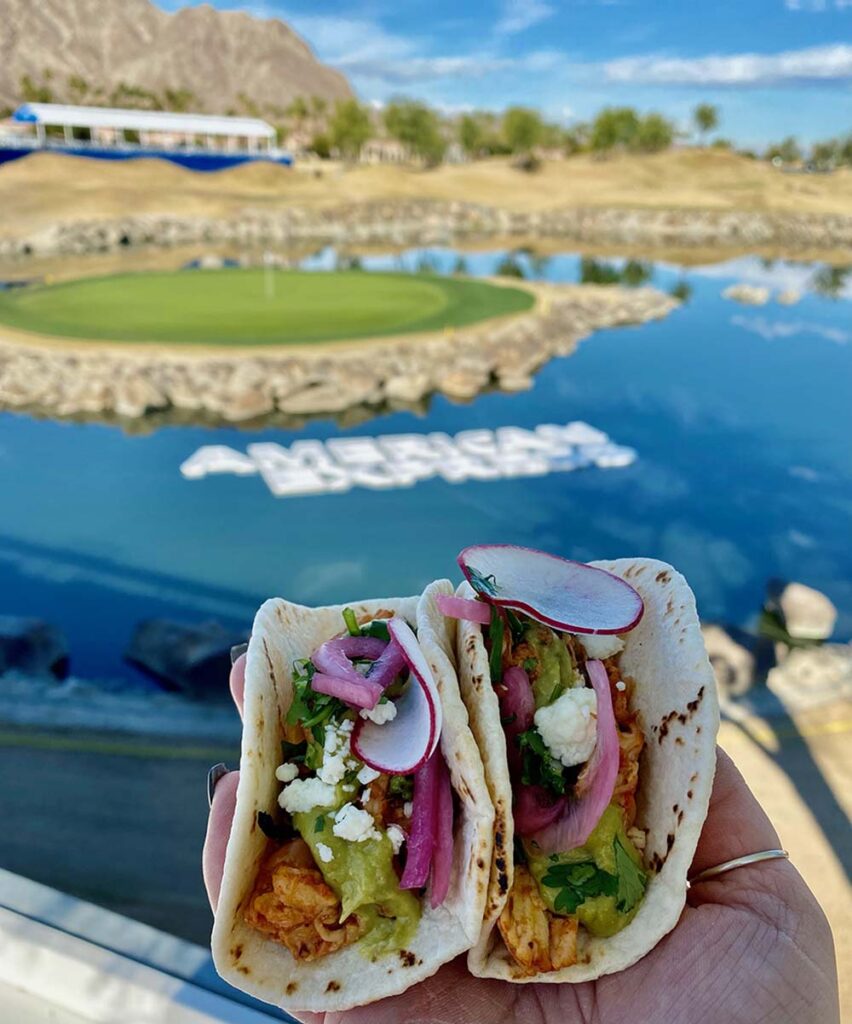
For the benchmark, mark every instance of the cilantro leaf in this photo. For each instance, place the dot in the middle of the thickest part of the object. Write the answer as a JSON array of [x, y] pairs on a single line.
[[319, 824], [530, 664], [401, 786], [495, 637], [631, 880], [377, 628], [309, 709], [515, 625], [577, 883], [482, 584], [351, 622], [540, 767]]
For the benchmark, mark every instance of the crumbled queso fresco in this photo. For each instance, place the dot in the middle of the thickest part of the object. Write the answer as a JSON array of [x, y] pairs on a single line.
[[601, 647], [568, 726], [325, 853], [367, 775], [381, 713], [286, 772], [354, 825], [305, 794], [336, 757], [396, 836]]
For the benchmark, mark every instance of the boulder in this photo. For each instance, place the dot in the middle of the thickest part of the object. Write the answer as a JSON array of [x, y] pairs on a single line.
[[732, 659], [32, 646], [807, 613], [192, 659]]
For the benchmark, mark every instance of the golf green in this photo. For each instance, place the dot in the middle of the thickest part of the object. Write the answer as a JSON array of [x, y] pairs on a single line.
[[254, 306]]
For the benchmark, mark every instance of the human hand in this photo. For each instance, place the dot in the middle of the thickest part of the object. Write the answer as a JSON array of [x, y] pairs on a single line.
[[751, 947]]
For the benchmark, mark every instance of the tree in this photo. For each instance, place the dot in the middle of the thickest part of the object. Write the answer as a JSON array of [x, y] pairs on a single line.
[[319, 106], [349, 128], [522, 129], [705, 117], [77, 88], [321, 145], [614, 127], [653, 134], [472, 137], [826, 154], [787, 152], [298, 109], [35, 92], [416, 126]]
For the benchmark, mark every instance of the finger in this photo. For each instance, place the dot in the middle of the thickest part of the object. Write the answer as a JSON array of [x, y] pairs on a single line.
[[218, 831], [736, 824], [237, 682], [450, 995]]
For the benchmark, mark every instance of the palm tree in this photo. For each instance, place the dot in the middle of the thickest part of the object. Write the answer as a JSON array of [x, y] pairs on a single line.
[[706, 118]]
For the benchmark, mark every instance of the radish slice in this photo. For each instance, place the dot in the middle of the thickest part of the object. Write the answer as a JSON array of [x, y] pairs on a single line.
[[403, 744], [596, 782], [570, 596], [442, 856], [517, 710], [463, 608]]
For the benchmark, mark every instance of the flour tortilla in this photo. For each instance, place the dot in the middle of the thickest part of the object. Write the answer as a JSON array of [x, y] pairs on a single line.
[[249, 960], [675, 695]]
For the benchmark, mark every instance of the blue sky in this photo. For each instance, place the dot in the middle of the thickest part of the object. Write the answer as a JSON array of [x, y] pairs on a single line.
[[774, 67]]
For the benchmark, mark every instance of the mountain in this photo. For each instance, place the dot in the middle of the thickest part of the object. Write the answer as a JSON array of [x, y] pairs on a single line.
[[132, 53]]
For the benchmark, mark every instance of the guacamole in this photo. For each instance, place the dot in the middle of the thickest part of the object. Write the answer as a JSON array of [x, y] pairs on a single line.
[[363, 877], [606, 887], [555, 671]]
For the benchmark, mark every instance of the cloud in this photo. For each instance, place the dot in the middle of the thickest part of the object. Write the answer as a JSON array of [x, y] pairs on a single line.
[[817, 6], [405, 71], [816, 63], [518, 15]]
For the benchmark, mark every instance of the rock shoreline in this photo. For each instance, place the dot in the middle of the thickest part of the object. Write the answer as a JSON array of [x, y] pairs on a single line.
[[430, 222], [72, 379]]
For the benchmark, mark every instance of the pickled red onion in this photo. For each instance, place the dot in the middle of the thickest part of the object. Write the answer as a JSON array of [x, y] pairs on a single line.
[[463, 608]]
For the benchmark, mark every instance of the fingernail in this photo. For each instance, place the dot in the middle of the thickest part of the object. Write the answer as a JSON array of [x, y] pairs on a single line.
[[237, 650], [217, 772]]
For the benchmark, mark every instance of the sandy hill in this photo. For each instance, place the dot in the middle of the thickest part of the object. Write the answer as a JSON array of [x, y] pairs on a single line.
[[219, 56], [45, 188]]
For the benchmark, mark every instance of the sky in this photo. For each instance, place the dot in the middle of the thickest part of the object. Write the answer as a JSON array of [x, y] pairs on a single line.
[[773, 67]]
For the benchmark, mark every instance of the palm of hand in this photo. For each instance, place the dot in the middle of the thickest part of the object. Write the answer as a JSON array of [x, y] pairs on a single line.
[[751, 947]]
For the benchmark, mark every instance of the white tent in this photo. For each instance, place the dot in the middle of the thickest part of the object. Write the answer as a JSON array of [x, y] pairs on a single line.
[[145, 122]]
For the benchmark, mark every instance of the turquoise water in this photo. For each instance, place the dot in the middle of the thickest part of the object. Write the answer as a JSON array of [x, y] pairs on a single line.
[[741, 417]]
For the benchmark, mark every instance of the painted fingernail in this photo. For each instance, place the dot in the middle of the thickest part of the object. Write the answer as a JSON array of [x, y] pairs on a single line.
[[217, 772], [237, 650]]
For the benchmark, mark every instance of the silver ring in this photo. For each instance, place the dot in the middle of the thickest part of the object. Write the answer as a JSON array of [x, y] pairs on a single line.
[[738, 862], [217, 772]]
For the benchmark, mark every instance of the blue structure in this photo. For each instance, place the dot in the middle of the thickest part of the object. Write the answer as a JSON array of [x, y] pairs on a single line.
[[200, 142]]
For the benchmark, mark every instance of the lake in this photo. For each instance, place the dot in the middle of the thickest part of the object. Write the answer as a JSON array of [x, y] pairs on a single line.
[[741, 417]]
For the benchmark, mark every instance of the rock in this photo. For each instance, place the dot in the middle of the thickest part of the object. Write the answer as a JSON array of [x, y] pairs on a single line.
[[135, 395], [807, 613], [195, 660], [732, 661], [407, 387], [462, 383], [789, 297], [812, 676], [247, 405], [32, 646], [747, 294]]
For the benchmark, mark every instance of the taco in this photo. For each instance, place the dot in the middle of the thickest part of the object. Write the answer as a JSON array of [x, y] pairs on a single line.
[[359, 853], [594, 706]]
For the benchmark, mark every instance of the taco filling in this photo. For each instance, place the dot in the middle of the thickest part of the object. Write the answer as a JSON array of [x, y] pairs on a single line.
[[365, 810], [553, 720]]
